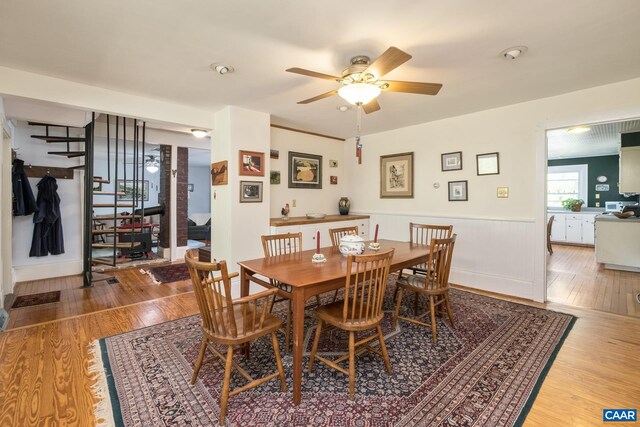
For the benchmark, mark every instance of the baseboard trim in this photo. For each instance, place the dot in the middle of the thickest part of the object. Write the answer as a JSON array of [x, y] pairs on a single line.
[[24, 273], [493, 283]]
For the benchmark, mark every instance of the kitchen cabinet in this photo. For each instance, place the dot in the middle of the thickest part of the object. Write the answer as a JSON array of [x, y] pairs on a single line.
[[617, 242], [310, 228], [573, 228], [630, 170]]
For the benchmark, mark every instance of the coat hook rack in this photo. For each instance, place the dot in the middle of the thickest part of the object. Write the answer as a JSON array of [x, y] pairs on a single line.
[[33, 171]]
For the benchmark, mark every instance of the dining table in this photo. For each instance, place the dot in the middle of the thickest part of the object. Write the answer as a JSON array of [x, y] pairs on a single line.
[[298, 278]]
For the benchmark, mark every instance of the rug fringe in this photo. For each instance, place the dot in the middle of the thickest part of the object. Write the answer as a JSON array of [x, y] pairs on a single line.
[[148, 273], [102, 408]]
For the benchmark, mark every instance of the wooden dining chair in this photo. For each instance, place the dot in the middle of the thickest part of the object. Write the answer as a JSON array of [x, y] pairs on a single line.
[[337, 233], [434, 284], [230, 322], [549, 225], [282, 244], [360, 310], [423, 234]]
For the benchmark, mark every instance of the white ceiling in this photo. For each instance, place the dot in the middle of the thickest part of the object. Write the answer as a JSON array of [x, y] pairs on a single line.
[[601, 140], [163, 49]]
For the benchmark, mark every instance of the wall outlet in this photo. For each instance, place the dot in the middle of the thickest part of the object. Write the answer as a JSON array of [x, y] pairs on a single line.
[[293, 203]]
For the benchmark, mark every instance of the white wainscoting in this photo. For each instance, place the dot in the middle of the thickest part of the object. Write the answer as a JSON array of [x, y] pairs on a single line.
[[495, 255], [22, 273]]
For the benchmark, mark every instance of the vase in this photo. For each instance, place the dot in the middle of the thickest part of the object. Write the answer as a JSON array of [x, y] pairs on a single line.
[[343, 205]]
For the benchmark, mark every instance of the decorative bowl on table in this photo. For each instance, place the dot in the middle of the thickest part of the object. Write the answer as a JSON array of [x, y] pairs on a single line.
[[351, 244], [316, 215], [623, 215]]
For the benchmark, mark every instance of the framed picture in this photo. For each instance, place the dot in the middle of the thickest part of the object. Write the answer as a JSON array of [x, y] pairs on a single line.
[[333, 179], [275, 177], [219, 173], [457, 191], [131, 190], [451, 161], [251, 163], [274, 154], [503, 192], [250, 191], [305, 170], [396, 176], [333, 163], [190, 188], [602, 187], [488, 164]]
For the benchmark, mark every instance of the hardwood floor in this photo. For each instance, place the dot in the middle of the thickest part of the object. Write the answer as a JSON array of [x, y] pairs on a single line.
[[575, 278], [46, 379]]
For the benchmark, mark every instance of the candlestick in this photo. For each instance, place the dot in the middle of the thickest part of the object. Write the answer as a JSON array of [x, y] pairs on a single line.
[[375, 236], [317, 242]]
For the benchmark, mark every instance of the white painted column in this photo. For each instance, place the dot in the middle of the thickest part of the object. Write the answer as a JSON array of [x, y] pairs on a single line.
[[6, 197], [237, 227]]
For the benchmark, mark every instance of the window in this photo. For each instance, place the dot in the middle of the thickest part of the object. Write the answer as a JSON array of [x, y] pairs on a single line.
[[564, 182]]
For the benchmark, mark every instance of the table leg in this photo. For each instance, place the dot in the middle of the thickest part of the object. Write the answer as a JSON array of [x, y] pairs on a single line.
[[298, 338]]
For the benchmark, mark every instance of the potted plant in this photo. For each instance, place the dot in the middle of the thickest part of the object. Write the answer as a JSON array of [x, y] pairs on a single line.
[[572, 204]]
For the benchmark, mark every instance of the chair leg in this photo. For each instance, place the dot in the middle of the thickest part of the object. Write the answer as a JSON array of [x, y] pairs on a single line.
[[449, 311], [314, 349], [196, 369], [394, 322], [287, 329], [318, 300], [352, 365], [415, 304], [276, 350], [383, 348], [433, 317], [335, 295], [225, 385]]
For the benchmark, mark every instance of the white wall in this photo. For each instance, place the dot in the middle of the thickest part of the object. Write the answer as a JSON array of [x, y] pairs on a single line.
[[483, 257], [200, 198], [323, 200]]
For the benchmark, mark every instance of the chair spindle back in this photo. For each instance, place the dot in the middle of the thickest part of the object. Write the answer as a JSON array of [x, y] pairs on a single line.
[[440, 254], [280, 244]]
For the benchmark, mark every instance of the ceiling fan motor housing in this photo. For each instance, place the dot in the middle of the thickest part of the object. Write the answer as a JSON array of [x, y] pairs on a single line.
[[352, 73]]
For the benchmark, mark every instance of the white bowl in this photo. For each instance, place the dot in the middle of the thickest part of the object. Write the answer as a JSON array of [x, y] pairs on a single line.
[[316, 215], [351, 244]]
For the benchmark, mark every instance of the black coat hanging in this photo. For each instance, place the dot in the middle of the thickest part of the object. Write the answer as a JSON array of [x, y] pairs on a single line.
[[23, 201], [47, 230]]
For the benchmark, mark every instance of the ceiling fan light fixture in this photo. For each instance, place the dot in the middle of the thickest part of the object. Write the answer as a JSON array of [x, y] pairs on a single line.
[[152, 164], [199, 133], [359, 93]]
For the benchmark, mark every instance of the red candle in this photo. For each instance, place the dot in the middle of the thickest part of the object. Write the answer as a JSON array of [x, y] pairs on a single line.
[[375, 236], [317, 242]]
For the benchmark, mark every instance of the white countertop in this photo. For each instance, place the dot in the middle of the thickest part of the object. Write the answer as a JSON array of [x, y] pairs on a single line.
[[612, 218]]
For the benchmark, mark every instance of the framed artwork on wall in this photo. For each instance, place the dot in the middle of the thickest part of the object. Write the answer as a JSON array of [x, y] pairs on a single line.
[[458, 191], [451, 161], [251, 163], [305, 170], [190, 188], [250, 191], [130, 188], [274, 154], [396, 176], [274, 177], [219, 173], [488, 164]]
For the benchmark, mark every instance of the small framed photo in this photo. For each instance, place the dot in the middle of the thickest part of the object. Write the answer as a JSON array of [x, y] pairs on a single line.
[[190, 188], [305, 170], [219, 173], [251, 163], [457, 191], [274, 177], [333, 179], [333, 163], [488, 164], [274, 154], [250, 191], [503, 192], [451, 161], [396, 176]]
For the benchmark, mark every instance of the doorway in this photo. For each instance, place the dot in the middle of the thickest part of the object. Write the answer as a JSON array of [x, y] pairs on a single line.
[[582, 165]]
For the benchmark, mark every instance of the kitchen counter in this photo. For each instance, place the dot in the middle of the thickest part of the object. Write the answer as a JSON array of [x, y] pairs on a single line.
[[613, 218], [618, 242], [583, 210], [303, 220]]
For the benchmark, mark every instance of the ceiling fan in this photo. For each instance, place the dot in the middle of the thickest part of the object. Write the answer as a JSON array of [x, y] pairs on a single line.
[[362, 84]]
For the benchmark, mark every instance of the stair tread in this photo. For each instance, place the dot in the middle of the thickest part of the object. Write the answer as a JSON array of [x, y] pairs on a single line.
[[113, 205], [76, 167], [52, 125], [108, 193], [100, 179], [51, 139], [116, 216], [118, 245], [103, 261], [67, 153], [119, 230]]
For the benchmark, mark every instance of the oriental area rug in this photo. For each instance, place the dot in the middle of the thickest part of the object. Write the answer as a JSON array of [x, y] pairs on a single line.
[[168, 273], [485, 372]]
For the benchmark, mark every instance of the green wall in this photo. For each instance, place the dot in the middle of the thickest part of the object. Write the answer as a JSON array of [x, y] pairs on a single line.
[[630, 139], [601, 165]]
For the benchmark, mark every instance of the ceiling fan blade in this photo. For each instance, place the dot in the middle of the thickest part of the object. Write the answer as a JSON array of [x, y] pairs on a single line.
[[389, 60], [312, 74], [316, 98], [371, 107], [412, 87]]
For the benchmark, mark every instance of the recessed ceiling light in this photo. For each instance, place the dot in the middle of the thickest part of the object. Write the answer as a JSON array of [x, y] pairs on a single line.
[[342, 108], [513, 52], [199, 133], [222, 69], [579, 129]]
